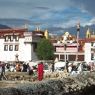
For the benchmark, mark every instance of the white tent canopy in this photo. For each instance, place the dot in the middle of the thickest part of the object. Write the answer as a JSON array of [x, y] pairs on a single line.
[[59, 64]]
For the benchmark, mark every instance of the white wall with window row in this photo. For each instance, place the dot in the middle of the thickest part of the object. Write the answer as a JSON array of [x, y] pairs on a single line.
[[11, 47], [11, 38]]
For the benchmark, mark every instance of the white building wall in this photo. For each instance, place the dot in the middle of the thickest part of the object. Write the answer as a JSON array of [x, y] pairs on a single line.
[[34, 56], [6, 55], [87, 49], [2, 55], [24, 51]]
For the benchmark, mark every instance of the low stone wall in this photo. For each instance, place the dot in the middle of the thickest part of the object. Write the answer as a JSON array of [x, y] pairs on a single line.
[[83, 84]]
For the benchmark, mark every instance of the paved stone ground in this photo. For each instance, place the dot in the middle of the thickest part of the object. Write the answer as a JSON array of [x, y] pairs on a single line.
[[83, 84]]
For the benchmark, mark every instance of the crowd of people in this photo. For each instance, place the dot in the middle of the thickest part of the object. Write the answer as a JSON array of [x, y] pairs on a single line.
[[25, 67], [18, 67], [79, 67]]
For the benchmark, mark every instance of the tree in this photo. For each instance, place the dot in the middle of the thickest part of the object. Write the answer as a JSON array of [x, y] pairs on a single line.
[[45, 50]]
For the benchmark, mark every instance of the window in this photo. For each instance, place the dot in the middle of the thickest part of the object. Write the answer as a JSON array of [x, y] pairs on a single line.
[[6, 38], [92, 56], [10, 47], [16, 38], [11, 38], [91, 43], [5, 47], [16, 47]]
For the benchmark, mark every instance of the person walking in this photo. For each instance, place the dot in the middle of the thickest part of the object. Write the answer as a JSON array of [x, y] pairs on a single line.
[[52, 67], [70, 67], [67, 62], [2, 76]]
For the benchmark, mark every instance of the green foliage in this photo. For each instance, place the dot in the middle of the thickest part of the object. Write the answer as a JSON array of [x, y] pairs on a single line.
[[45, 50]]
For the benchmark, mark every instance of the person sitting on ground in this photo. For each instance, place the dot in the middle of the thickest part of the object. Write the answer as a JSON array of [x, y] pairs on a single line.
[[18, 68], [25, 66], [30, 70]]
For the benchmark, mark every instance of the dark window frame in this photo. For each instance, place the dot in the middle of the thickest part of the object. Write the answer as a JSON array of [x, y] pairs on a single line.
[[5, 47], [16, 48], [16, 37], [10, 47], [6, 38], [11, 38]]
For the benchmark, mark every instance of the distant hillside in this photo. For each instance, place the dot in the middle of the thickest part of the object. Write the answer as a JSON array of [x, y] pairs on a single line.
[[4, 27], [71, 30], [83, 30], [9, 23], [13, 22]]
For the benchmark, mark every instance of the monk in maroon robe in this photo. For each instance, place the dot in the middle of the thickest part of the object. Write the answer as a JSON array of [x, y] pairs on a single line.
[[40, 71]]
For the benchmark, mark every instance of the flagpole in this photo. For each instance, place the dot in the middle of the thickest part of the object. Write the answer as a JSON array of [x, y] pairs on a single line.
[[78, 30]]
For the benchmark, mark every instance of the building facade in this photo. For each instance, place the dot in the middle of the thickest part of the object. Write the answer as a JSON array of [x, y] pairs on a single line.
[[66, 48], [68, 52], [18, 44]]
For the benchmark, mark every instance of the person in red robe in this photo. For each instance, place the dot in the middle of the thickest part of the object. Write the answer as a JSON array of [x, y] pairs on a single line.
[[40, 71]]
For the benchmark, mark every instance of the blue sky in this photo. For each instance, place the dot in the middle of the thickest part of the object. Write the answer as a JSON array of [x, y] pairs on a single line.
[[50, 13]]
